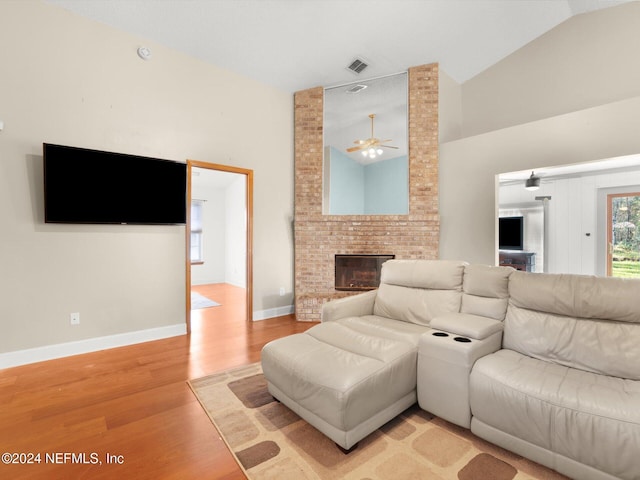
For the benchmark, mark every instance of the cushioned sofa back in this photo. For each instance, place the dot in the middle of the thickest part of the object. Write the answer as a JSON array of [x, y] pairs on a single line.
[[485, 291], [417, 290], [590, 323]]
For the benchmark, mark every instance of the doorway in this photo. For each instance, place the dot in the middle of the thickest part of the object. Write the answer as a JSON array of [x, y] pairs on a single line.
[[239, 214], [623, 237]]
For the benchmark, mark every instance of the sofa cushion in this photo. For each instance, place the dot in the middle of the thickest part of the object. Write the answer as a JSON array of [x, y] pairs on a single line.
[[386, 328], [593, 419], [599, 346], [414, 305], [429, 274], [486, 290], [416, 291], [577, 295]]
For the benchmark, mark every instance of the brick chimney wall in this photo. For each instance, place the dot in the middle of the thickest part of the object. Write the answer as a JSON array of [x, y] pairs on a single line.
[[318, 237]]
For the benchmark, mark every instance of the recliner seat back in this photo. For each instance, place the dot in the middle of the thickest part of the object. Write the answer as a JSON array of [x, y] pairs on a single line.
[[416, 291], [584, 322], [485, 291]]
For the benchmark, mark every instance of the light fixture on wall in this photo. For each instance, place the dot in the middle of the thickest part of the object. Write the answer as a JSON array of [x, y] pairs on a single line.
[[532, 183]]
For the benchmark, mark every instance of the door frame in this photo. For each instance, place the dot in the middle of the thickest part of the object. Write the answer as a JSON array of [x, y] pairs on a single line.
[[249, 207]]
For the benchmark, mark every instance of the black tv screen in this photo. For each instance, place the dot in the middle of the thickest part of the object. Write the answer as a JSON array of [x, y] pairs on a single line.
[[511, 233], [92, 186]]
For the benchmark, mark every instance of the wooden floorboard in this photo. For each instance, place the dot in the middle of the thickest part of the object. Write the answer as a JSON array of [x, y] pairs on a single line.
[[133, 402]]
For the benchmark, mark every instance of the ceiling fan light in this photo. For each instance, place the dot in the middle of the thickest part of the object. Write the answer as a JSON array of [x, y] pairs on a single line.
[[373, 150], [532, 183]]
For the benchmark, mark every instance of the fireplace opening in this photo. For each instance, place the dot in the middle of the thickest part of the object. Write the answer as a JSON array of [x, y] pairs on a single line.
[[359, 272]]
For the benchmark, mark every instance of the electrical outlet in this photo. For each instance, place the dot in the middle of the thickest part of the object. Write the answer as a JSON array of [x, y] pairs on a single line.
[[74, 318], [282, 291]]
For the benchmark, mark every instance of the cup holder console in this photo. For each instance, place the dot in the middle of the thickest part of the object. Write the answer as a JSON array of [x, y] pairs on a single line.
[[457, 339]]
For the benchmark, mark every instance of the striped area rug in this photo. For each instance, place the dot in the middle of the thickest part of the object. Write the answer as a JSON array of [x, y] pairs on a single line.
[[269, 441]]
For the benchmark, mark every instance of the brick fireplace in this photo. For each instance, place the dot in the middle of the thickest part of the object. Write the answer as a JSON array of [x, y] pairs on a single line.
[[318, 237]]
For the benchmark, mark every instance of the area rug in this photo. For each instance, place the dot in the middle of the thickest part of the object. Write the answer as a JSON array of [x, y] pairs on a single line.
[[269, 441], [200, 301]]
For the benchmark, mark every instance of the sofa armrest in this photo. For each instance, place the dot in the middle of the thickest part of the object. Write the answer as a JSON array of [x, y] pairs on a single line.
[[353, 306], [467, 325]]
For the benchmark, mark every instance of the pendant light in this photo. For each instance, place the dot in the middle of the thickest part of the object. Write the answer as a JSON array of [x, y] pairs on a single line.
[[532, 183]]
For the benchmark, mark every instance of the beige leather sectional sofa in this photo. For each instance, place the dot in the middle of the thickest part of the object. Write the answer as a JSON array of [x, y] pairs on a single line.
[[547, 366]]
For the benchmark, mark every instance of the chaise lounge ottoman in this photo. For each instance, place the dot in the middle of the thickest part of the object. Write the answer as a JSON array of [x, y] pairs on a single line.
[[342, 381]]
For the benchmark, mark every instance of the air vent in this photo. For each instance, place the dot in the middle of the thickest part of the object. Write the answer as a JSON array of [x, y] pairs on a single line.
[[356, 88], [357, 66]]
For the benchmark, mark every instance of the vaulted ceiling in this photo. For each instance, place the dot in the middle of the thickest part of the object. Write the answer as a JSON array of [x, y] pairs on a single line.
[[298, 44]]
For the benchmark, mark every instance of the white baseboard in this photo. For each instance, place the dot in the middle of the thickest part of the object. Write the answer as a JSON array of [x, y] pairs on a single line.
[[272, 312], [49, 352]]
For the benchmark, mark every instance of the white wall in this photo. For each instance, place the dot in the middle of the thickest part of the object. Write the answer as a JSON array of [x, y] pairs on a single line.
[[69, 80], [214, 240], [236, 233], [527, 136]]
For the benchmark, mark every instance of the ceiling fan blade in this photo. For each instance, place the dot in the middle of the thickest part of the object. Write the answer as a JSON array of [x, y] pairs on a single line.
[[371, 142], [355, 149]]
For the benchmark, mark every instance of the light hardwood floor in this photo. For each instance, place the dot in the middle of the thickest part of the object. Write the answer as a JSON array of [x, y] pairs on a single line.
[[132, 403]]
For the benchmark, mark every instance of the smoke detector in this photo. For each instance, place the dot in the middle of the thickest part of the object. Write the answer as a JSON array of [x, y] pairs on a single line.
[[144, 53]]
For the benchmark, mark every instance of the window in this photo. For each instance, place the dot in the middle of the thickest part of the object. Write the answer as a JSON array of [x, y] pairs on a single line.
[[196, 232], [623, 237]]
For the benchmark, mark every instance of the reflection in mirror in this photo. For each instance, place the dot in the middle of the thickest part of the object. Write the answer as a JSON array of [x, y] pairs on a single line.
[[366, 168], [571, 224]]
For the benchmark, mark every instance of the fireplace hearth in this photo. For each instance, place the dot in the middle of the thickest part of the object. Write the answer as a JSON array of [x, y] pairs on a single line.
[[359, 272]]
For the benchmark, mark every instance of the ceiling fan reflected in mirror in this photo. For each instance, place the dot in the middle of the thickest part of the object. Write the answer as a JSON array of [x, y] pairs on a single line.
[[372, 146]]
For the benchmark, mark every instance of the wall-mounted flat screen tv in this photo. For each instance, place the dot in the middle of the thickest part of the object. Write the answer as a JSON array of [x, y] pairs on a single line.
[[92, 186], [511, 233]]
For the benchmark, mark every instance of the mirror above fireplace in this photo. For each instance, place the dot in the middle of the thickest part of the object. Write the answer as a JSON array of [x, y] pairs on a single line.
[[366, 168]]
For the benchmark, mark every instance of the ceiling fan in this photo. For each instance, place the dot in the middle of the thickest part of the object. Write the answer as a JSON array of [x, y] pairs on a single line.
[[371, 147]]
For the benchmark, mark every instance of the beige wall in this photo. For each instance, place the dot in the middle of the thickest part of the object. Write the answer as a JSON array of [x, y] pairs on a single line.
[[571, 96], [589, 60], [72, 81], [449, 108]]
